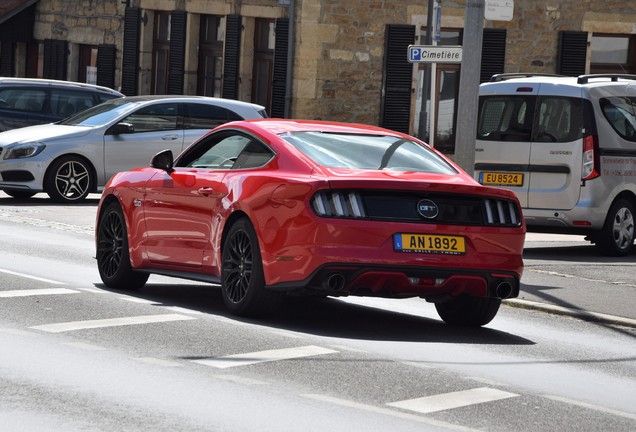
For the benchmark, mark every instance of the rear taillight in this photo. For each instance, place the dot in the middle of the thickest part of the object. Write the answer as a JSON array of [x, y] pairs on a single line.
[[343, 204], [590, 166]]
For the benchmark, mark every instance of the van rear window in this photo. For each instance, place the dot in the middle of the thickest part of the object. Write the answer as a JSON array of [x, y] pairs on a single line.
[[620, 112], [526, 118]]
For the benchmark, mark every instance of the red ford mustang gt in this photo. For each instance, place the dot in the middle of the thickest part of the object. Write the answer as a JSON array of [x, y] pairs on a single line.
[[271, 207]]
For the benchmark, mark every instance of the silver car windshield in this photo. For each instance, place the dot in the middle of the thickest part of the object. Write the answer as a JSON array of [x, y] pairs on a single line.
[[101, 114], [370, 152]]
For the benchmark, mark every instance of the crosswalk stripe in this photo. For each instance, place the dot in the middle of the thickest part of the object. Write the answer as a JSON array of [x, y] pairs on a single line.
[[430, 404], [23, 275], [36, 292], [264, 356], [110, 322]]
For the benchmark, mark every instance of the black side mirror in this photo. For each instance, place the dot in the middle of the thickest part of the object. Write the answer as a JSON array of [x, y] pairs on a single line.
[[163, 161], [121, 128]]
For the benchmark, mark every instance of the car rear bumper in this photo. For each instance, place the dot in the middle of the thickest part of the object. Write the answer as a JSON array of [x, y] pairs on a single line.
[[359, 258], [433, 284]]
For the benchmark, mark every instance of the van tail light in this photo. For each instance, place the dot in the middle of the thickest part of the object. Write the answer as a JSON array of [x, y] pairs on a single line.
[[590, 166]]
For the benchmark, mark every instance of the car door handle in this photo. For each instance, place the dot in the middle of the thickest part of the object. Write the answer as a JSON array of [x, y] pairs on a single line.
[[169, 137], [211, 192]]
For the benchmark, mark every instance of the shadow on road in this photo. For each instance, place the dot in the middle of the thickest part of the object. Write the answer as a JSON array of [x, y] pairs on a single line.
[[579, 254], [329, 317], [42, 200]]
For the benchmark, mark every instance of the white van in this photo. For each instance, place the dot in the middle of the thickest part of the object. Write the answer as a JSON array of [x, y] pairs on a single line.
[[567, 147]]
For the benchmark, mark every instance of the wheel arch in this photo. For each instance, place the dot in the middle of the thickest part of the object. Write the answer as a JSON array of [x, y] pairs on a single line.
[[107, 200], [230, 221]]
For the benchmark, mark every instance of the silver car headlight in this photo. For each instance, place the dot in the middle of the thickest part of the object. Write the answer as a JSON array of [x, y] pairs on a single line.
[[24, 150]]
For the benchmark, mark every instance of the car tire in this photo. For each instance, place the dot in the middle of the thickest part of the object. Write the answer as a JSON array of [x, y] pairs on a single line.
[[242, 279], [69, 179], [113, 258], [19, 194], [617, 236], [468, 311]]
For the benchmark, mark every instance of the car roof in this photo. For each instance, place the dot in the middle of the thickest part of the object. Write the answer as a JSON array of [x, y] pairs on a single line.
[[280, 126], [227, 103], [56, 83], [588, 81]]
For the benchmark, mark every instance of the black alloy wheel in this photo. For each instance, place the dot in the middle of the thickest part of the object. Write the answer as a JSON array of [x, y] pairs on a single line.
[[113, 259], [242, 278]]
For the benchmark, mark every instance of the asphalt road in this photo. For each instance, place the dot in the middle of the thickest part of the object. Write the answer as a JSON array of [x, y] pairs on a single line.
[[76, 356]]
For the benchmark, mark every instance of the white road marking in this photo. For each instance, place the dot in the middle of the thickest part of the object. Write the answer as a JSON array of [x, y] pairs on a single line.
[[138, 300], [593, 407], [158, 362], [240, 380], [111, 322], [388, 412], [430, 404], [418, 365], [264, 356], [85, 346], [95, 291], [23, 275], [36, 292], [180, 309]]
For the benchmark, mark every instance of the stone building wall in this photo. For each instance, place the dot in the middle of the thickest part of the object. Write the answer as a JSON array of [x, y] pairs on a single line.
[[90, 22], [339, 45]]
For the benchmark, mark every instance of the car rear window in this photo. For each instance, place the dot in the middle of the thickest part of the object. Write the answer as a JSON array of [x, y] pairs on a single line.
[[371, 152], [526, 118]]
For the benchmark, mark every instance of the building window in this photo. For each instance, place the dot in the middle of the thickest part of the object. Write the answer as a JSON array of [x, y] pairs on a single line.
[[161, 53], [211, 55], [35, 60], [613, 54], [87, 70], [264, 41]]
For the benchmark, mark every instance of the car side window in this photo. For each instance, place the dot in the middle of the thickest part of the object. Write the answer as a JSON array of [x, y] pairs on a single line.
[[68, 102], [23, 99], [226, 151], [620, 112], [154, 118], [207, 116]]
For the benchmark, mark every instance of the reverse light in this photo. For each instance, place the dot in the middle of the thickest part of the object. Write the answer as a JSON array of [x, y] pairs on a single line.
[[21, 151], [590, 166]]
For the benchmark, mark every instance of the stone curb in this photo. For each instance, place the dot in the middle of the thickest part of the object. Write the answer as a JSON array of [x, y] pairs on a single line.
[[575, 313]]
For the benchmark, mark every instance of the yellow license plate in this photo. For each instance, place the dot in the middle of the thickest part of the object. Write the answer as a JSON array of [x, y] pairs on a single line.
[[429, 243], [501, 179]]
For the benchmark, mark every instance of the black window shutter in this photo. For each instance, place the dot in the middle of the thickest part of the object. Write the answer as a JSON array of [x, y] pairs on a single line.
[[232, 57], [130, 53], [55, 55], [398, 73], [493, 53], [572, 53], [7, 59], [176, 66], [279, 84], [106, 65]]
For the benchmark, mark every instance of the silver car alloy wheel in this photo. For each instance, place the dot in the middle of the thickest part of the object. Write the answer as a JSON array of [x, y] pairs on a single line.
[[72, 180]]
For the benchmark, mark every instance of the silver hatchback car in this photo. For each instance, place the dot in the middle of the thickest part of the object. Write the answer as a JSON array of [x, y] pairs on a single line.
[[76, 156]]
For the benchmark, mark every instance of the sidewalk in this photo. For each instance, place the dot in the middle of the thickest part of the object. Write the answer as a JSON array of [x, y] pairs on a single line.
[[580, 294]]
